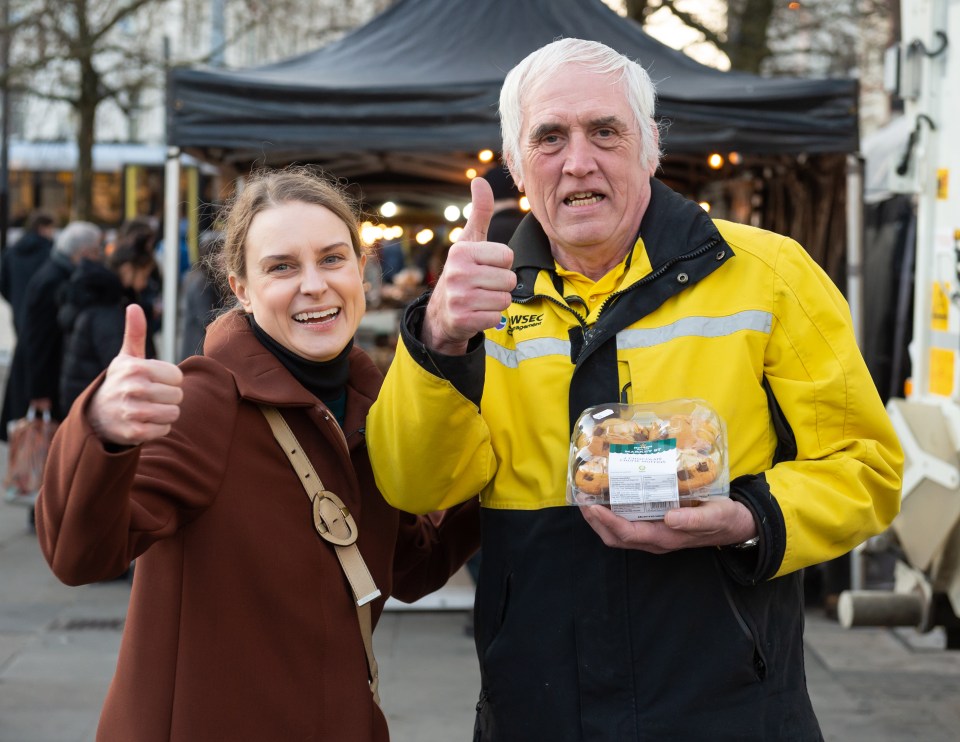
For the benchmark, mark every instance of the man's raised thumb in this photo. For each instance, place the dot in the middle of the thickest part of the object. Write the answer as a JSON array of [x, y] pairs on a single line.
[[475, 230], [135, 332]]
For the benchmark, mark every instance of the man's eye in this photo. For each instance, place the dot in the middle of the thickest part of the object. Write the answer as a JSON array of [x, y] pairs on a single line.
[[605, 133]]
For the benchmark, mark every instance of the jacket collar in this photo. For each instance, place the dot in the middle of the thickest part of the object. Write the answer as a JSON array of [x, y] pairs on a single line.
[[671, 226]]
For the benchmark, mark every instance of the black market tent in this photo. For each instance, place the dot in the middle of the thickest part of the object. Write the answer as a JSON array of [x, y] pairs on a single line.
[[400, 107], [400, 95]]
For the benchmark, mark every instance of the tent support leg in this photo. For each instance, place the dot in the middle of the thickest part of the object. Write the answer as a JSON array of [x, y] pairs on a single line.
[[855, 296], [171, 254]]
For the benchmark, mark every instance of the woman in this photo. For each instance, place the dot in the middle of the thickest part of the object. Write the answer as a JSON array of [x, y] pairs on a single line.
[[241, 624], [92, 309]]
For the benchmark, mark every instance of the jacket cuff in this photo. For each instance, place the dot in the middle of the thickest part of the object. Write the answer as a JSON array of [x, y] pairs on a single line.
[[465, 373], [751, 566]]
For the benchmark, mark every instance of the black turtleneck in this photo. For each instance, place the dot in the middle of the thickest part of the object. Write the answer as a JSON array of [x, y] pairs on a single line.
[[326, 380]]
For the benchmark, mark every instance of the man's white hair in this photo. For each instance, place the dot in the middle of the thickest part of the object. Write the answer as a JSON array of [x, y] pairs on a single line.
[[592, 56]]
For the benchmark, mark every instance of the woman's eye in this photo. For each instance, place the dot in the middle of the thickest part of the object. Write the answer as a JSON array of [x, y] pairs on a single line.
[[279, 268], [333, 259]]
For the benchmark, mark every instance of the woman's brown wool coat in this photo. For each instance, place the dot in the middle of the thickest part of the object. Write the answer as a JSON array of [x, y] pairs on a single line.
[[241, 624]]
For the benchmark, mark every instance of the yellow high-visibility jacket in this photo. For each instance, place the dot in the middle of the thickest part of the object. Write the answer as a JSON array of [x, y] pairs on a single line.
[[708, 309]]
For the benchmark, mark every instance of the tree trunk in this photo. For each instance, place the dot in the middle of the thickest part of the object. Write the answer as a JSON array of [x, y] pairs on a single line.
[[747, 46], [86, 107], [637, 10]]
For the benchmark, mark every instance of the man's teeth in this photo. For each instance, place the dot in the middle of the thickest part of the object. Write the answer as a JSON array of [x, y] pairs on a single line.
[[307, 316], [583, 199]]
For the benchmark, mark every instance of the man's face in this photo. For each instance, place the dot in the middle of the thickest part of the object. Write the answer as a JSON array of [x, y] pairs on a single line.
[[581, 166]]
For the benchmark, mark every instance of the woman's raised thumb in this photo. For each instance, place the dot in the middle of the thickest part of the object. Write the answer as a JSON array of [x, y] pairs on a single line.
[[135, 332]]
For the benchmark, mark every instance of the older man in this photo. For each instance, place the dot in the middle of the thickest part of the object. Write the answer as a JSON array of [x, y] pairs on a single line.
[[616, 289]]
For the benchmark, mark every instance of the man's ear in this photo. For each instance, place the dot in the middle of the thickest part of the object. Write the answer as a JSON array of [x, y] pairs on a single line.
[[514, 172], [239, 289], [655, 159]]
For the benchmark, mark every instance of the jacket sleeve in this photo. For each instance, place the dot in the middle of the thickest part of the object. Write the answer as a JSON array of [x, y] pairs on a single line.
[[843, 486], [42, 340], [430, 548], [5, 291], [429, 446], [101, 506]]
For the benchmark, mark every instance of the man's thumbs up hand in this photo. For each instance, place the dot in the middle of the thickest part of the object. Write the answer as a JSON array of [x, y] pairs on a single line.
[[475, 284], [139, 398]]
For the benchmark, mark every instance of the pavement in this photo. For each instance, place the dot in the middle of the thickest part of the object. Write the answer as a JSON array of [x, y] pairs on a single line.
[[58, 650]]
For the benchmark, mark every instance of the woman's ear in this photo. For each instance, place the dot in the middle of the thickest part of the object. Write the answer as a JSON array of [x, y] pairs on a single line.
[[239, 289]]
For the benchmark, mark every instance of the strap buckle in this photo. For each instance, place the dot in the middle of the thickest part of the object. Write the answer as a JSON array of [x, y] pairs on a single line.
[[333, 520]]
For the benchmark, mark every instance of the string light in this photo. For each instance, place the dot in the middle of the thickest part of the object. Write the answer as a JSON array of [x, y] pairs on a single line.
[[451, 213], [485, 155], [524, 203], [471, 173], [715, 161], [388, 209], [455, 233], [424, 236], [705, 205]]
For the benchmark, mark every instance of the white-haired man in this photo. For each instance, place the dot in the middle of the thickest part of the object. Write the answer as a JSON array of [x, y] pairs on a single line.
[[617, 289]]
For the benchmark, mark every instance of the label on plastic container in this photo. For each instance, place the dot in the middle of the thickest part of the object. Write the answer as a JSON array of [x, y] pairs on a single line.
[[643, 479]]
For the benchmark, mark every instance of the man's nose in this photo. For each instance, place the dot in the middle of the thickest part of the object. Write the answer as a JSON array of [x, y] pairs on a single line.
[[579, 160]]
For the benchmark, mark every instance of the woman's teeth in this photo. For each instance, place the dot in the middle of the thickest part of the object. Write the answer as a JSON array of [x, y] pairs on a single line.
[[314, 316]]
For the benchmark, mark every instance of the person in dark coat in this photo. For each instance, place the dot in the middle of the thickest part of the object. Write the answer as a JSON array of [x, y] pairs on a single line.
[[92, 311], [18, 264], [35, 370], [201, 297], [22, 260]]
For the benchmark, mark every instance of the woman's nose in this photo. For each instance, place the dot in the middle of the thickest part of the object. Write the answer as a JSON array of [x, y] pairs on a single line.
[[313, 281]]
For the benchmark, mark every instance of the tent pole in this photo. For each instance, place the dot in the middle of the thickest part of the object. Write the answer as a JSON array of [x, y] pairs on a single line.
[[855, 243], [171, 254], [855, 296]]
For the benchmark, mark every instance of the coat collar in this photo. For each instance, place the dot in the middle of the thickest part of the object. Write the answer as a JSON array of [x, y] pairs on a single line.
[[261, 378]]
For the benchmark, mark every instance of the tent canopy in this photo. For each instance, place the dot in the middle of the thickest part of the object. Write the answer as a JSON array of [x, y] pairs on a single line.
[[399, 97]]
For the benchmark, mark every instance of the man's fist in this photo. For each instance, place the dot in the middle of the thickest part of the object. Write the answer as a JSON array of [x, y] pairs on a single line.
[[474, 287]]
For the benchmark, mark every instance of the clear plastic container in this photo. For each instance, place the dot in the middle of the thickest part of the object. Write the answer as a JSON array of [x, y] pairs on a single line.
[[641, 460]]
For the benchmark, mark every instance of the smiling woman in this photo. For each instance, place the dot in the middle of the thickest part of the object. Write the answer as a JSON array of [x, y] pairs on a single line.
[[304, 282], [178, 468]]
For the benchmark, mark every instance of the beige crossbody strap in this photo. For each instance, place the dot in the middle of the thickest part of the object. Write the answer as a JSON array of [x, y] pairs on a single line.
[[335, 524]]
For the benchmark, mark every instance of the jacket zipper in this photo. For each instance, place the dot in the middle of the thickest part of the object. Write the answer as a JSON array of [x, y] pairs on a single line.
[[654, 275]]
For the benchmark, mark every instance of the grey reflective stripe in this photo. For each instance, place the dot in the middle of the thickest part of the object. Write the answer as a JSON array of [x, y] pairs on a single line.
[[526, 350], [704, 327]]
